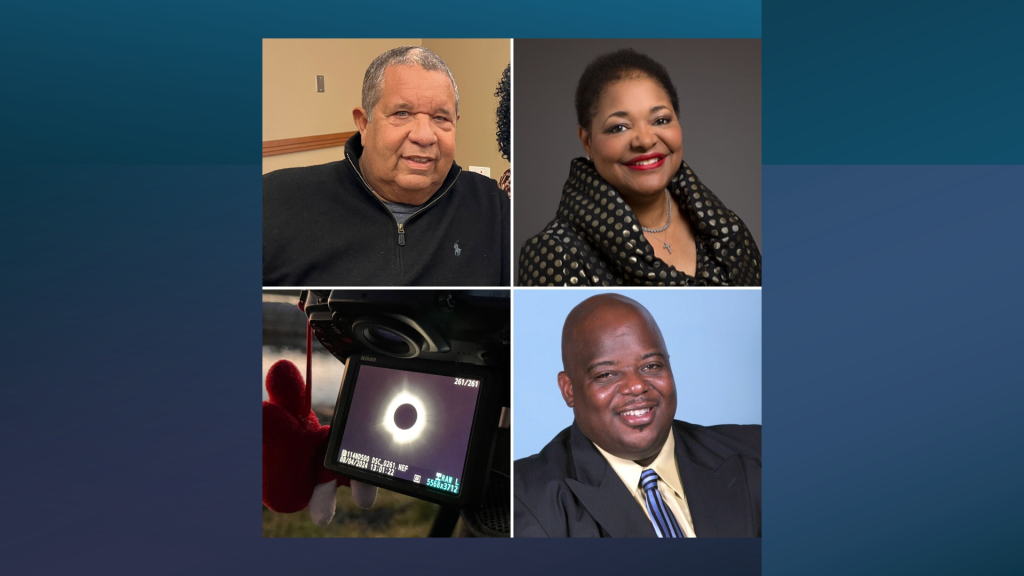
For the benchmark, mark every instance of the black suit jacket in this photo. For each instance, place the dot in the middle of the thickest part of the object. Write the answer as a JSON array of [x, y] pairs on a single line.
[[569, 489]]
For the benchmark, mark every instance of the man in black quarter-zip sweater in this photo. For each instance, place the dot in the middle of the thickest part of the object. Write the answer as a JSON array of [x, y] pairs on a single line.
[[397, 211]]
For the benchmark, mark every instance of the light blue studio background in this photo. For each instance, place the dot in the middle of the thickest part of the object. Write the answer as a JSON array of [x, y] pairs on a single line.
[[714, 345]]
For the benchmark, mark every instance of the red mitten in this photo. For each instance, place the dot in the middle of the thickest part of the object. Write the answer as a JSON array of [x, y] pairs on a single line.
[[294, 443]]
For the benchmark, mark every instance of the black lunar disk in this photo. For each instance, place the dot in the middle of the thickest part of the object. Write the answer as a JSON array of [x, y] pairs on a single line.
[[405, 416]]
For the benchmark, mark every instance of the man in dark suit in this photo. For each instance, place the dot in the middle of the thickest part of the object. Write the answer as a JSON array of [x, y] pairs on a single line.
[[625, 467]]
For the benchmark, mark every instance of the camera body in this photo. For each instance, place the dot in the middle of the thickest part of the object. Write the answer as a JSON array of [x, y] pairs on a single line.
[[427, 373], [466, 326]]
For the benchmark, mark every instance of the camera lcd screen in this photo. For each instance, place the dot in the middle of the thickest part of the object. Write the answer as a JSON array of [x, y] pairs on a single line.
[[411, 426]]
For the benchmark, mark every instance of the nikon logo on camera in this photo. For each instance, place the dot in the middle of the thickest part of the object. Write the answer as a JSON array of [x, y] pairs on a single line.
[[368, 358]]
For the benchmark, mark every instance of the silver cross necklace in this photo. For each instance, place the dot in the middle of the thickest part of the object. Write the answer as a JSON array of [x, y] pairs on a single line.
[[664, 241]]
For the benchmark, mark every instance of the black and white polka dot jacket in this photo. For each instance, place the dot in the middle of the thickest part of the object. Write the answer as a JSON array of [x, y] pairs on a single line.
[[595, 239]]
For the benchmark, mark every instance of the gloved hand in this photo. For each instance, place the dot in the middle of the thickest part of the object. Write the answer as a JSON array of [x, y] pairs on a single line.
[[294, 445]]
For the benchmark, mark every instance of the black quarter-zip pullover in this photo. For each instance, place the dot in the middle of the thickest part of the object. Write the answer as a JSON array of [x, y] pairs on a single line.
[[323, 226]]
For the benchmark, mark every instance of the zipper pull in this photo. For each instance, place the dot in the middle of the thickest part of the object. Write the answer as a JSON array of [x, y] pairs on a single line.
[[401, 235]]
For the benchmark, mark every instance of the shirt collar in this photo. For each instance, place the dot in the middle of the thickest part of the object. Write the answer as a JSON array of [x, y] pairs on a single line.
[[664, 465]]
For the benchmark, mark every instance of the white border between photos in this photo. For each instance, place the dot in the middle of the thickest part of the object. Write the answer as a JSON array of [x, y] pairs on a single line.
[[512, 289]]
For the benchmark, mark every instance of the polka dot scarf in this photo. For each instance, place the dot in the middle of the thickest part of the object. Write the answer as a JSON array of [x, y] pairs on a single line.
[[595, 239]]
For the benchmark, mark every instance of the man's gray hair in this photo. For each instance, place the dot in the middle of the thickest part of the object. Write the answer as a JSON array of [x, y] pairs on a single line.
[[373, 81]]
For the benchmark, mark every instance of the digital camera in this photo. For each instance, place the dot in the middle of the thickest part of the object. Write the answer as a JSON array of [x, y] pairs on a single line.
[[427, 373]]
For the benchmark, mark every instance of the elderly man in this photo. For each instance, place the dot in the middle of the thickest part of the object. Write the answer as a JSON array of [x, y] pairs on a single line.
[[626, 467], [398, 210]]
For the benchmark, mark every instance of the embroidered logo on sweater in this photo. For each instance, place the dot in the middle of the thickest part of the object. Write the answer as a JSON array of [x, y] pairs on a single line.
[[457, 249]]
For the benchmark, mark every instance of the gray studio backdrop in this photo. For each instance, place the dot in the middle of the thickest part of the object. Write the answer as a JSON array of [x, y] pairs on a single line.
[[719, 86]]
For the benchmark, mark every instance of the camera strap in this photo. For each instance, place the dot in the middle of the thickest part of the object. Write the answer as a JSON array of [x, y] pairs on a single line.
[[307, 402]]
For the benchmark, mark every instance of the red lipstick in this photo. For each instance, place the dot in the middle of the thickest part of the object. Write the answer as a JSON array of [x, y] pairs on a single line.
[[659, 159]]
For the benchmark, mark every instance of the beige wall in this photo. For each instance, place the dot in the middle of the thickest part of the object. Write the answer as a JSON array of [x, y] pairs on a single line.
[[292, 107]]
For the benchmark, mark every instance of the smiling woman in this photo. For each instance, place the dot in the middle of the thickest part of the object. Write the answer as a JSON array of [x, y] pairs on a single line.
[[633, 212]]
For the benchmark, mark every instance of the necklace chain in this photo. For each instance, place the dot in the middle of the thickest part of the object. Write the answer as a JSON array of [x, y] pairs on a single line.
[[668, 222]]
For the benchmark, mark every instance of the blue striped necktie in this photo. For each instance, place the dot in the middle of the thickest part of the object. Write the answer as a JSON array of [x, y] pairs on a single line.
[[665, 523]]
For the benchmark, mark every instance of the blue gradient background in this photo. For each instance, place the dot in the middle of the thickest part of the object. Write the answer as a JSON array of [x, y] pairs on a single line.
[[130, 234], [714, 345]]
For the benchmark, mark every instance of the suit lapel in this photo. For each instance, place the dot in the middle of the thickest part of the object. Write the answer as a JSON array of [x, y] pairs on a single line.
[[715, 488], [601, 491]]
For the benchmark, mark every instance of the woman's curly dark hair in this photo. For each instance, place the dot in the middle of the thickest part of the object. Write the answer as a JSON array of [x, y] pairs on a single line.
[[504, 113], [610, 68]]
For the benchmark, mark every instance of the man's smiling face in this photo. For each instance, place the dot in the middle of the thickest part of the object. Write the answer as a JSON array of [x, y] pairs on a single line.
[[617, 377], [409, 145]]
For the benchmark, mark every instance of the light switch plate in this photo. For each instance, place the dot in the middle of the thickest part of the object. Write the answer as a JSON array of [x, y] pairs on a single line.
[[481, 170], [319, 83]]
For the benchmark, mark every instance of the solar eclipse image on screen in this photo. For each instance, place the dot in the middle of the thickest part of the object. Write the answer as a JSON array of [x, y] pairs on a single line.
[[410, 425]]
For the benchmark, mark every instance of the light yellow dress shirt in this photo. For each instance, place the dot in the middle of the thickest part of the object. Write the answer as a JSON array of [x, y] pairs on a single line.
[[669, 484]]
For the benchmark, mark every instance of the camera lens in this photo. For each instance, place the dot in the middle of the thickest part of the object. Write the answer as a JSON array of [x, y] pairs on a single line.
[[387, 340], [388, 336], [378, 333]]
